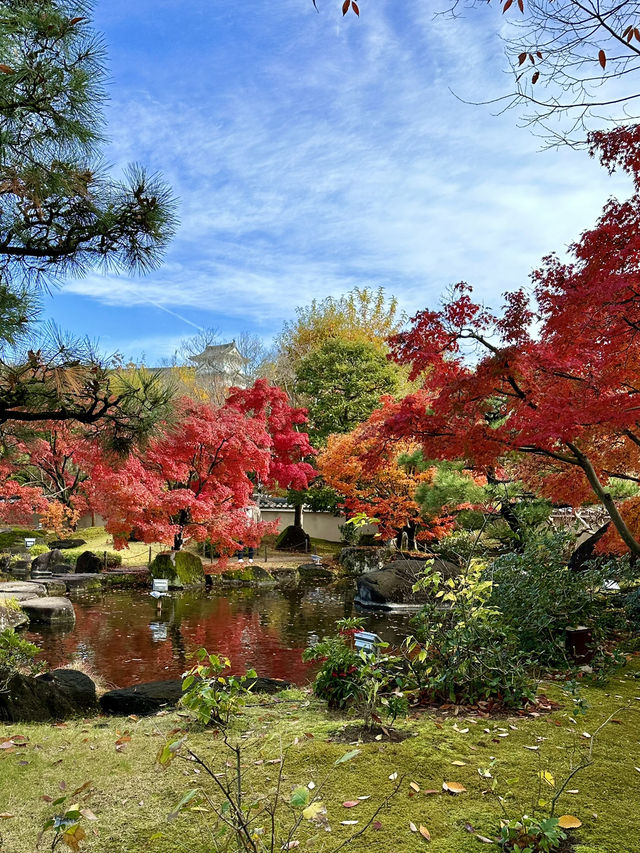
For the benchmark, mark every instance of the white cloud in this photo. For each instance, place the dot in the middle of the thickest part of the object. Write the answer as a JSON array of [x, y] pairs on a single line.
[[342, 159]]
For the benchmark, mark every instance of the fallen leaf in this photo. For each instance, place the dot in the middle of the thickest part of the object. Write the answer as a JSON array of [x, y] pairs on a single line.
[[459, 763], [484, 839], [532, 748], [453, 788], [412, 826], [6, 815], [431, 791], [377, 825], [348, 822], [291, 845], [88, 814], [351, 804], [414, 787], [568, 821], [424, 832], [393, 776]]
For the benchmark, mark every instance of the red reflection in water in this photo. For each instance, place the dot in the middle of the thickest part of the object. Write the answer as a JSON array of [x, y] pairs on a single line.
[[125, 640]]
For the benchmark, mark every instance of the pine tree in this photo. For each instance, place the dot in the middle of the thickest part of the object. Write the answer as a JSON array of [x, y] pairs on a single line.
[[62, 214]]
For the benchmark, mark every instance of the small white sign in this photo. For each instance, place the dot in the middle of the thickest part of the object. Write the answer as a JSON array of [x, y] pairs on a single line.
[[29, 543], [160, 585]]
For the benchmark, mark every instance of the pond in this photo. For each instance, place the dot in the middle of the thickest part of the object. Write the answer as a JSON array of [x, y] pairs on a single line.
[[124, 640]]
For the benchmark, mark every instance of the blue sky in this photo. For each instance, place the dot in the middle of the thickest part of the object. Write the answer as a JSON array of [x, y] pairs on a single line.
[[311, 154]]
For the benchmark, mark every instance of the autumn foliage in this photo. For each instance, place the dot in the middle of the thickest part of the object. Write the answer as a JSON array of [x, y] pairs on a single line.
[[196, 479], [554, 376], [368, 470]]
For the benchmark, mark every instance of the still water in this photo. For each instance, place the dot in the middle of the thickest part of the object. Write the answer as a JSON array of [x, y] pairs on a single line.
[[125, 640]]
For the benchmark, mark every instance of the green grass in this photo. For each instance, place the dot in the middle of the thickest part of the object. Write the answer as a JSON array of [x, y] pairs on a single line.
[[132, 797]]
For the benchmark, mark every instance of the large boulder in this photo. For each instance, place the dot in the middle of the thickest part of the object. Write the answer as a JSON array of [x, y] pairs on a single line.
[[50, 611], [392, 586], [154, 696], [88, 563], [148, 698], [51, 561], [180, 568], [293, 538], [359, 560], [248, 574], [37, 700], [76, 684], [64, 544]]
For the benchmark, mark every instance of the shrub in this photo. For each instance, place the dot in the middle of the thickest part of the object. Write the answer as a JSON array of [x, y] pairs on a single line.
[[212, 696], [113, 560], [357, 680], [16, 655], [16, 536], [463, 652], [37, 549], [632, 607], [539, 596]]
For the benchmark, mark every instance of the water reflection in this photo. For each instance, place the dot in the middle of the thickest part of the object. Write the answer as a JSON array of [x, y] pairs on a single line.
[[127, 638]]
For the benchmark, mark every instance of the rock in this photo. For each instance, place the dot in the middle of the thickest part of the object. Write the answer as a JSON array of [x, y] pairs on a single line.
[[75, 683], [54, 586], [392, 586], [358, 560], [45, 562], [248, 574], [180, 568], [20, 568], [293, 538], [88, 563], [64, 544], [79, 583], [154, 696], [50, 611], [314, 572], [37, 700], [19, 588], [141, 699], [12, 616], [268, 685]]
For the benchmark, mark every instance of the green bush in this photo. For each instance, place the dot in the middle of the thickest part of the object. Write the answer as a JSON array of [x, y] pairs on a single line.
[[37, 549], [16, 536], [16, 655], [463, 651], [539, 596], [632, 607], [357, 680], [212, 696], [114, 560]]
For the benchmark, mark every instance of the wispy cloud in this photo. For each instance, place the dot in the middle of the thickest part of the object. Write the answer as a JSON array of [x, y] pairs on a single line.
[[313, 154]]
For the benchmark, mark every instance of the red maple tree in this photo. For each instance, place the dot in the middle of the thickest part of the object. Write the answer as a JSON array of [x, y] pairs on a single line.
[[196, 479], [555, 377]]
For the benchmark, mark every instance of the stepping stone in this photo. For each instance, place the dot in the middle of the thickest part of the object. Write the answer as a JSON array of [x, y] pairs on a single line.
[[54, 610], [35, 590]]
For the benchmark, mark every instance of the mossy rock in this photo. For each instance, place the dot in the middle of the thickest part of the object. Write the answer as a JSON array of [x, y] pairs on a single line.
[[248, 575], [315, 572], [180, 568], [293, 538]]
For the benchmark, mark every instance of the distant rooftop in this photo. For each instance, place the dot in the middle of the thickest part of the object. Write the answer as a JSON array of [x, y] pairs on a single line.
[[215, 351]]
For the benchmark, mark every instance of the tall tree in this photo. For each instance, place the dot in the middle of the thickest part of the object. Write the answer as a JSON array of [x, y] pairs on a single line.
[[555, 379], [61, 213], [343, 382]]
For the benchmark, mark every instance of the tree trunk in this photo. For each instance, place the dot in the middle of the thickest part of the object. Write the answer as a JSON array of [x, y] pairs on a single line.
[[297, 515], [178, 541], [584, 552], [607, 501]]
